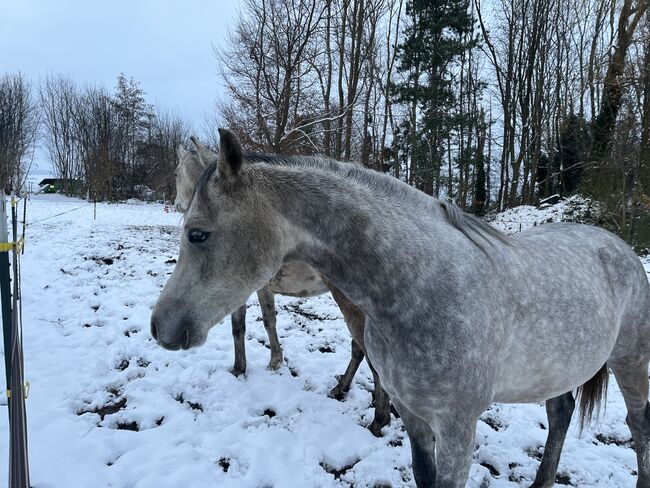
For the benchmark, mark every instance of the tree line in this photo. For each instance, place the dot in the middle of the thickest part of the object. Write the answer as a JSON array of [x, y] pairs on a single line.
[[494, 103], [103, 145]]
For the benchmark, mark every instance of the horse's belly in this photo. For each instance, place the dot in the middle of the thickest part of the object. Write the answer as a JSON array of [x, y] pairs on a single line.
[[297, 279], [547, 373]]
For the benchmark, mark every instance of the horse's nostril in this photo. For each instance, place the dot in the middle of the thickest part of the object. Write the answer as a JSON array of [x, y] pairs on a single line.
[[154, 330]]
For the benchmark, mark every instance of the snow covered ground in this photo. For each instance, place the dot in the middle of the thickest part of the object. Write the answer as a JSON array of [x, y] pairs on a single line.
[[109, 408]]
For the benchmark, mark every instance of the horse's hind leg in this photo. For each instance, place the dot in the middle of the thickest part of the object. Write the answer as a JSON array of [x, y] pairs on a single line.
[[345, 381], [559, 411], [267, 304], [238, 320], [382, 406], [632, 378]]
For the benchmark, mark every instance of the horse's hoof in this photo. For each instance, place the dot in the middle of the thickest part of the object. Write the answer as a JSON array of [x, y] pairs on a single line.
[[275, 363], [375, 428], [337, 393], [238, 371]]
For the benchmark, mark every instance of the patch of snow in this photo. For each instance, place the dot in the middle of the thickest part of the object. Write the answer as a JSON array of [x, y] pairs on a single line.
[[517, 219]]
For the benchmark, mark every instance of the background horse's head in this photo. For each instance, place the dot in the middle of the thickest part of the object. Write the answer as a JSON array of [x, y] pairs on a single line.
[[232, 245], [190, 165]]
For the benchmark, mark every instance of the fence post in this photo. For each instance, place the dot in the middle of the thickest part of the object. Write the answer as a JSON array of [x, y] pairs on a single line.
[[11, 316], [5, 293]]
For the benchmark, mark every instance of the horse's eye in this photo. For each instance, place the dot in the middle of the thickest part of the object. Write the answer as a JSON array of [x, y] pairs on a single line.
[[197, 235]]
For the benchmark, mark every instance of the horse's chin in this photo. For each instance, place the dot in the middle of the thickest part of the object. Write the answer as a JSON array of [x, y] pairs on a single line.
[[196, 340]]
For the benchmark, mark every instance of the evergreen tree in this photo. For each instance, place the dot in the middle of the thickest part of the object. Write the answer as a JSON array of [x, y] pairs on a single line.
[[438, 33], [134, 117]]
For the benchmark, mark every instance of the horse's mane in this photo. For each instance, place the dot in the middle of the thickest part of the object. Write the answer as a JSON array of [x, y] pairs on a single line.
[[475, 229]]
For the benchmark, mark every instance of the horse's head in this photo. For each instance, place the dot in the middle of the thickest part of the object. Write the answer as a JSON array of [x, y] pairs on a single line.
[[232, 244], [190, 165]]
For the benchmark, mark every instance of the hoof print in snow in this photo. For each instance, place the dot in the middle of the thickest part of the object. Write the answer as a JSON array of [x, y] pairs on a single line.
[[337, 473], [516, 479], [143, 363], [224, 464], [108, 409], [269, 413], [123, 365], [170, 261], [326, 349], [95, 307], [160, 421], [492, 422], [129, 332], [563, 479], [395, 443], [494, 472], [193, 405], [133, 426], [609, 439], [296, 309], [535, 453]]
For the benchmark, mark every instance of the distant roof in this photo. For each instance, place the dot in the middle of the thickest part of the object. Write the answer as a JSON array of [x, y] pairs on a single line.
[[54, 181], [49, 181]]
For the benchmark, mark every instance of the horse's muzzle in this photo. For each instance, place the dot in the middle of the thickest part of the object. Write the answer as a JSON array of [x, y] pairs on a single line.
[[181, 338]]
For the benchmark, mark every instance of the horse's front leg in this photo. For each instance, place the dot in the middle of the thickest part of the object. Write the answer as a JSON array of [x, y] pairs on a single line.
[[423, 447], [267, 304], [238, 320], [454, 434]]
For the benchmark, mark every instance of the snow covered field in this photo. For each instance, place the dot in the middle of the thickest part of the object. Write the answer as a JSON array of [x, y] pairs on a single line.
[[109, 408]]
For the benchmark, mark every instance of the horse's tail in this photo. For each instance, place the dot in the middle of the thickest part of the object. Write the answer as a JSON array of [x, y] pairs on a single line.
[[592, 394]]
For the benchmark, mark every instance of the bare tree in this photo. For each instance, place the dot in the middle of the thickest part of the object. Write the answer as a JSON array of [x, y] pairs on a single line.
[[59, 100], [19, 120]]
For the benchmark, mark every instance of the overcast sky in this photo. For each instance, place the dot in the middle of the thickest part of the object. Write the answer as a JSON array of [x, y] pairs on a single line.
[[165, 45]]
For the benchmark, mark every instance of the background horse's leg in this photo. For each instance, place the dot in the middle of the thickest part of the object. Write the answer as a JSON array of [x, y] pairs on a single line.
[[267, 303], [345, 381], [238, 320], [423, 447], [559, 411], [632, 378], [382, 405], [355, 319]]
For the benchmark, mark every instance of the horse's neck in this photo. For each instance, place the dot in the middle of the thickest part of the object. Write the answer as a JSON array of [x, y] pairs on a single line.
[[370, 246]]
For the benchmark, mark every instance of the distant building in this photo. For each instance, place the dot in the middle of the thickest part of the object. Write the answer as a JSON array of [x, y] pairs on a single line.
[[54, 185]]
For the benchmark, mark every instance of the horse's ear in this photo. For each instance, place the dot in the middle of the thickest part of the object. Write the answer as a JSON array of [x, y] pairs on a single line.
[[230, 154], [205, 155], [180, 151]]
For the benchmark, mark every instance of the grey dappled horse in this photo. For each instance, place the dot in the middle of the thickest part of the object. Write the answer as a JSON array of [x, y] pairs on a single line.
[[294, 278], [457, 315]]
